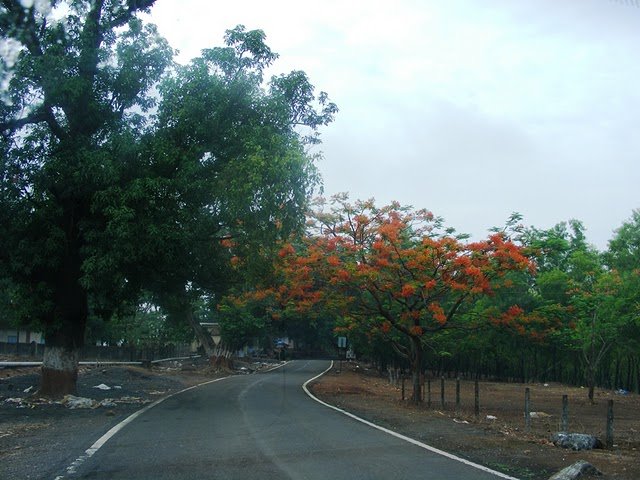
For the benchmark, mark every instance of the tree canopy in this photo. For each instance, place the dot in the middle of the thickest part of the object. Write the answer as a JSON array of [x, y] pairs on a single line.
[[394, 271], [123, 171]]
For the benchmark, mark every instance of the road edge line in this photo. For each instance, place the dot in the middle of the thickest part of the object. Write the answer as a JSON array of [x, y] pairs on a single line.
[[89, 452], [277, 367], [399, 435]]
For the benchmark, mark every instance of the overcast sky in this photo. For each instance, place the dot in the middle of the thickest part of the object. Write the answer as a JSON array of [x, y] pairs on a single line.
[[471, 109]]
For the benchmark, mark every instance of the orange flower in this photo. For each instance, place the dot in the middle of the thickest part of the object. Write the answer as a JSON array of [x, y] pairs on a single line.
[[333, 261], [430, 284], [407, 290], [416, 330], [438, 313], [227, 243], [343, 275], [286, 250]]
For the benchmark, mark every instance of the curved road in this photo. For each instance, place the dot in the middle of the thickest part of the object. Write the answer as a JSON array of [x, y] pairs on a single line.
[[261, 427]]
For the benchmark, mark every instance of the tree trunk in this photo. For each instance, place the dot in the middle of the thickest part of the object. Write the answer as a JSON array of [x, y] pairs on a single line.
[[59, 372], [202, 335], [66, 324], [221, 359], [416, 368], [591, 380]]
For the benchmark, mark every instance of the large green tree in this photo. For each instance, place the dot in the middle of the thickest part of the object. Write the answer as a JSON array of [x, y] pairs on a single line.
[[231, 171], [121, 170], [70, 119]]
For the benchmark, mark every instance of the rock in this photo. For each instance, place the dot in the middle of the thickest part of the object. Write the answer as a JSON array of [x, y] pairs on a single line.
[[575, 441], [491, 417], [18, 402], [576, 470], [539, 415], [71, 401], [102, 386]]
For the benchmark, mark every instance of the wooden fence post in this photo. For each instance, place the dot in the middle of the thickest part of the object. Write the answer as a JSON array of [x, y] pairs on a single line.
[[564, 423], [442, 392], [477, 399], [458, 394], [428, 393], [527, 409], [609, 440], [403, 388]]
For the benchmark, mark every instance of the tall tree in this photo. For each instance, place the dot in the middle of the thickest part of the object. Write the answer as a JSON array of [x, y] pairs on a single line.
[[105, 189], [240, 157], [74, 104]]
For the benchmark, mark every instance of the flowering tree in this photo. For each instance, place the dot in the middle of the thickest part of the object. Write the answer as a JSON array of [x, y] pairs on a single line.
[[395, 271]]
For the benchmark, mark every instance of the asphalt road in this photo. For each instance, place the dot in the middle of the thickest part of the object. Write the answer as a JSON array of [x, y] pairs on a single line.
[[263, 427]]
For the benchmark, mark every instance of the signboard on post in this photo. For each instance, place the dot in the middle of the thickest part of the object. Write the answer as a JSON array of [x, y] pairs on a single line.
[[342, 342]]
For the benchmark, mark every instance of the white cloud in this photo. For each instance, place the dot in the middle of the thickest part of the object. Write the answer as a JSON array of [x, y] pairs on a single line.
[[471, 109]]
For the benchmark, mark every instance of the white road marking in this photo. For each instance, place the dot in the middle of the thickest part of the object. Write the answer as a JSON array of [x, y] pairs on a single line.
[[400, 436], [277, 366]]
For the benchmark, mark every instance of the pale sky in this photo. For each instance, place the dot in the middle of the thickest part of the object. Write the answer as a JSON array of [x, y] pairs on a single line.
[[471, 109]]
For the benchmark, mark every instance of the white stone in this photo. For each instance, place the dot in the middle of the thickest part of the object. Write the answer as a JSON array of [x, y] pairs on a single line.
[[71, 401], [576, 470]]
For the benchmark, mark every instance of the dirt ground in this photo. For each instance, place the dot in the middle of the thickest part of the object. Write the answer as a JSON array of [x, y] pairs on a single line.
[[499, 443]]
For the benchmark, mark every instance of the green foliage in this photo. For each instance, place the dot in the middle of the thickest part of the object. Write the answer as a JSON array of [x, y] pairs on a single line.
[[145, 327], [623, 253], [241, 321], [122, 171]]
